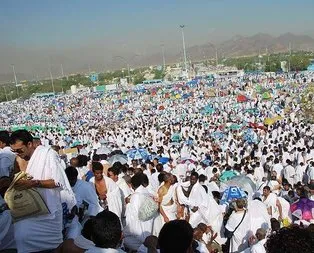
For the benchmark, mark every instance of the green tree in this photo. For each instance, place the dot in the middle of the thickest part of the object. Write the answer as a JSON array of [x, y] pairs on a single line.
[[159, 74], [139, 78]]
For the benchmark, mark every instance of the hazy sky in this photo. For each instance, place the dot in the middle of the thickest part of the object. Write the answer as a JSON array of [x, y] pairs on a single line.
[[36, 32]]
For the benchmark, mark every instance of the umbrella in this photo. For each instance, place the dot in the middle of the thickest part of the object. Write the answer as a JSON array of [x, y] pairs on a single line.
[[269, 121], [103, 150], [232, 193], [241, 98], [217, 135], [163, 160], [189, 142], [235, 127], [174, 144], [118, 158], [138, 153], [75, 144], [227, 175], [303, 209], [186, 161], [249, 136], [266, 95], [207, 162], [116, 152], [176, 138], [245, 183]]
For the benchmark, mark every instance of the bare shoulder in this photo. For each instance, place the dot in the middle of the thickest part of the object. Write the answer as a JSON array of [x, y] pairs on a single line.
[[162, 190], [69, 246]]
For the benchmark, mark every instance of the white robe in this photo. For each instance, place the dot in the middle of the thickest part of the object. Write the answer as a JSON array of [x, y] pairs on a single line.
[[239, 241], [84, 191], [136, 231], [113, 196], [197, 198], [170, 210], [45, 232], [258, 214], [271, 202]]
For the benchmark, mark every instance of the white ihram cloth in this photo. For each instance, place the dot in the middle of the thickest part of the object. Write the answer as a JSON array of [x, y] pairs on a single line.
[[83, 243], [258, 214], [197, 198], [170, 210], [271, 202], [45, 232], [113, 196], [239, 240], [213, 215], [100, 250], [136, 231], [84, 191], [7, 229]]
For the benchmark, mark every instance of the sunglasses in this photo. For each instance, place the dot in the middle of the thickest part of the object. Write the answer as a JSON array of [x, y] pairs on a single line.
[[18, 151]]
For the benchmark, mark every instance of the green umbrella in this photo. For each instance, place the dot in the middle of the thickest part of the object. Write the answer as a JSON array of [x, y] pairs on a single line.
[[176, 138], [235, 127]]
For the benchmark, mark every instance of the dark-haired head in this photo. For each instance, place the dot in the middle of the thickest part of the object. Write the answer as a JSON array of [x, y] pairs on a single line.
[[290, 240], [21, 142], [106, 230], [72, 174], [176, 236], [4, 139]]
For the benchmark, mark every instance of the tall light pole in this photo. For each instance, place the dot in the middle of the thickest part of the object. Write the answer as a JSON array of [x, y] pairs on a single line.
[[62, 75], [289, 69], [53, 87], [17, 88], [5, 92], [163, 57], [183, 42]]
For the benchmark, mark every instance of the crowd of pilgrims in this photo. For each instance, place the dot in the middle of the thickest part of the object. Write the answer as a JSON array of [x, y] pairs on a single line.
[[158, 179]]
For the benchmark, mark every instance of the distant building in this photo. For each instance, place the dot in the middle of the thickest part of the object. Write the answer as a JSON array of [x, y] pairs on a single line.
[[94, 77]]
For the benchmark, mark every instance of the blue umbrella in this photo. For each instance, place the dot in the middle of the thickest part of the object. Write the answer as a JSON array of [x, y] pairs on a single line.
[[189, 142], [232, 193], [249, 136], [207, 162], [217, 135], [163, 160], [140, 153]]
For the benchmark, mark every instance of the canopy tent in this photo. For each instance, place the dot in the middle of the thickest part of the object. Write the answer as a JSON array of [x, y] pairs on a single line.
[[266, 95], [241, 98]]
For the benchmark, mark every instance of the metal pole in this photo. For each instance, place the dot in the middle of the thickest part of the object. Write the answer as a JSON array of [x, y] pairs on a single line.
[[5, 92], [183, 42], [53, 87], [62, 73], [163, 57], [128, 65], [89, 69], [17, 88], [289, 69]]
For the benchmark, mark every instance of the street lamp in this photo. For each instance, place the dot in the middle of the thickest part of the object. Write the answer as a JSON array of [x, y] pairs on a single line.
[[5, 92], [62, 75], [53, 87], [183, 42], [163, 57], [17, 88]]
